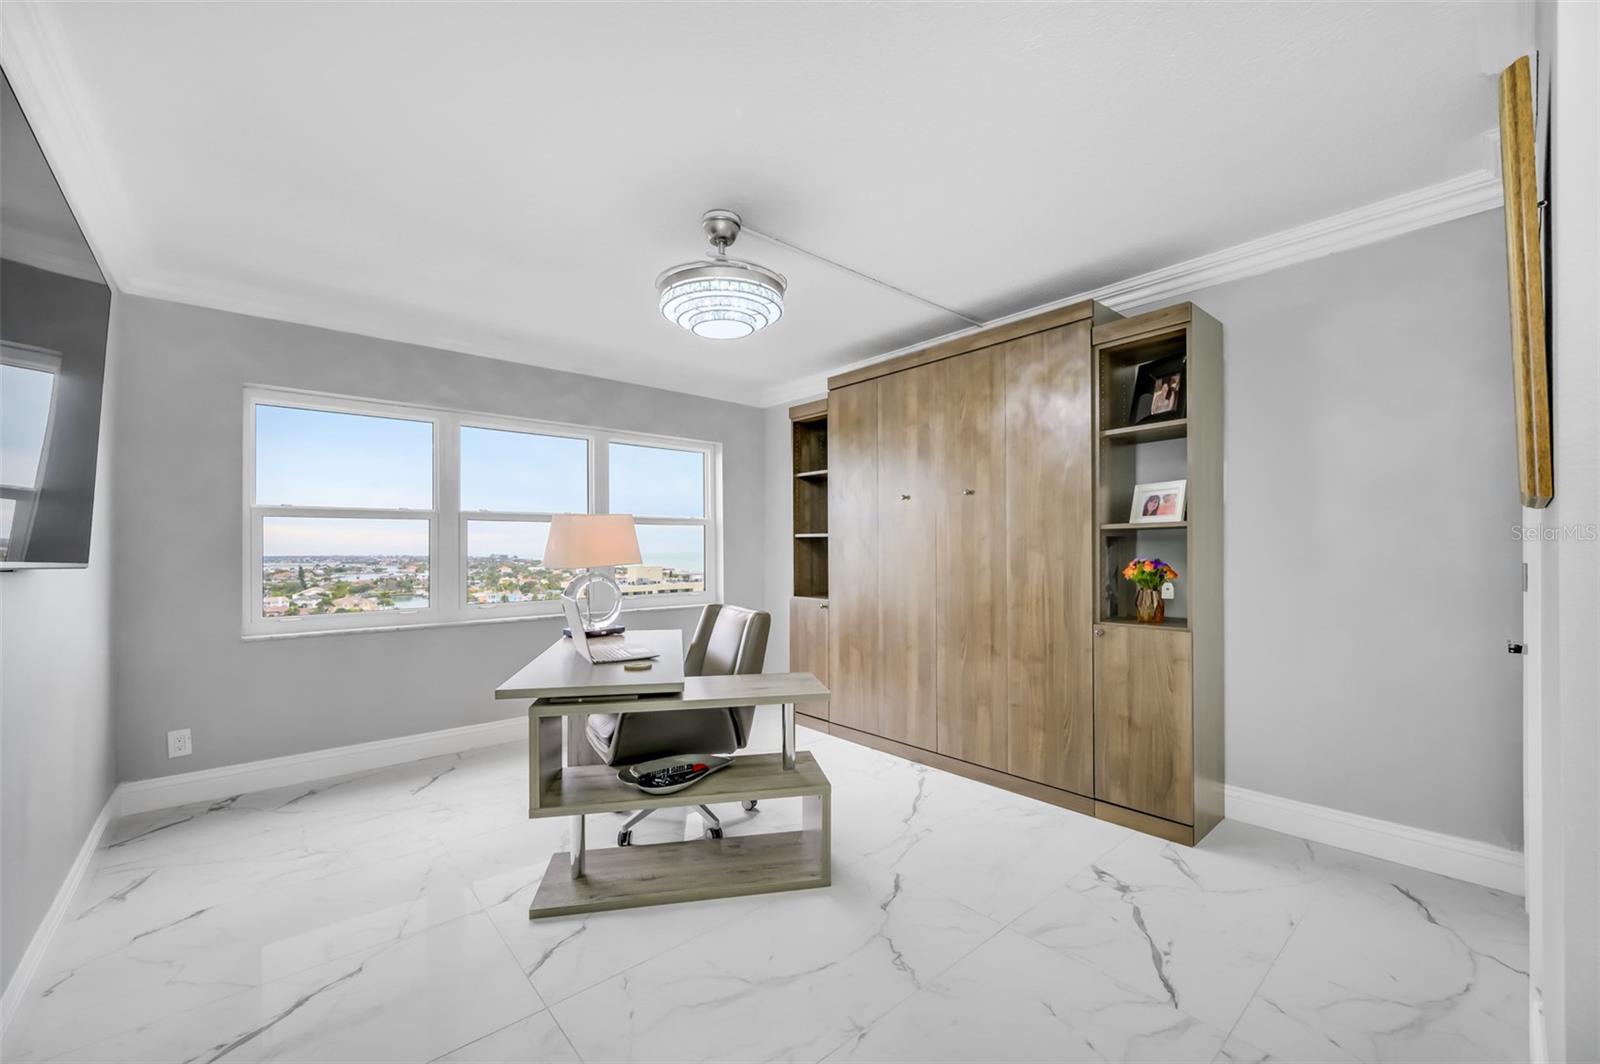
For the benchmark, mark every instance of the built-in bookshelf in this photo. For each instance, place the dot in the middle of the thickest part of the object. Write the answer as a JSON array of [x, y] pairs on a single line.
[[809, 434], [1137, 442], [1134, 448]]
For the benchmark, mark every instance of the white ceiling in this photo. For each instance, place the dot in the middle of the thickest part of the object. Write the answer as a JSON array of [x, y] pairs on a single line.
[[510, 179]]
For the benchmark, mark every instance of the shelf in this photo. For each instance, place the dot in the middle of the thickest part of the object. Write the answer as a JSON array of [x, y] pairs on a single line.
[[596, 789], [810, 535], [810, 473], [632, 876], [1129, 527], [1175, 624], [1175, 429]]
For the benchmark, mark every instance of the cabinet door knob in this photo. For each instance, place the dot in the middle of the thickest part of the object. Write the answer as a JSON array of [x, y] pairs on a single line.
[[1099, 631], [905, 498], [968, 491], [822, 606]]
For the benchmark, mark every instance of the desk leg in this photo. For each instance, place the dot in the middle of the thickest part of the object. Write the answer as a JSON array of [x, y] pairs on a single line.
[[544, 756], [578, 846], [788, 735]]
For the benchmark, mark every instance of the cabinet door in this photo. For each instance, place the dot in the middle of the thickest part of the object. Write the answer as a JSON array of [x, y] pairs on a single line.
[[908, 404], [969, 495], [1144, 742], [1050, 584], [808, 645], [854, 657]]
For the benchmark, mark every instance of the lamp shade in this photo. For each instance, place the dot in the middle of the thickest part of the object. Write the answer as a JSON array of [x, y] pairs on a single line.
[[578, 541]]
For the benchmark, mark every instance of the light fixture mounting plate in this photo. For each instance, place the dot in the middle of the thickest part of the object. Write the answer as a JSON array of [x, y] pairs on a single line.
[[721, 226]]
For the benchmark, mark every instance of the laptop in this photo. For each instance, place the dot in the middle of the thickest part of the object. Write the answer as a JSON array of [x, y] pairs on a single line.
[[598, 651]]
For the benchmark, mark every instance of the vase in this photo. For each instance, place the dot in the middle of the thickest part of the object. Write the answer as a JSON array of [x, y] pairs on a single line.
[[1149, 606]]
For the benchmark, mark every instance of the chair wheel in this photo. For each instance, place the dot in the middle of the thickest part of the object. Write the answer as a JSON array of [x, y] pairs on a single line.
[[713, 833], [624, 838], [749, 806]]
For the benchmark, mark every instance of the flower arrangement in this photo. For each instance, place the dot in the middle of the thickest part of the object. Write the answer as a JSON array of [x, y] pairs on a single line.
[[1148, 574]]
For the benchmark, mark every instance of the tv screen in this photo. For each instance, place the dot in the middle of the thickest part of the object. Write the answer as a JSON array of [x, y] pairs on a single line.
[[55, 308]]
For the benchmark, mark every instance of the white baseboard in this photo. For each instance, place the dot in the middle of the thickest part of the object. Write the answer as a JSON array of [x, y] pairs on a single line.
[[209, 785], [28, 966], [1432, 851]]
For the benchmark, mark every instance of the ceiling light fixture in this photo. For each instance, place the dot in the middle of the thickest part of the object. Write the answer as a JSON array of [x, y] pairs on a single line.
[[722, 298]]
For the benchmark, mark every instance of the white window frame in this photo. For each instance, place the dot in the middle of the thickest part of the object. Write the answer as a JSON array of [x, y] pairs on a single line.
[[447, 522]]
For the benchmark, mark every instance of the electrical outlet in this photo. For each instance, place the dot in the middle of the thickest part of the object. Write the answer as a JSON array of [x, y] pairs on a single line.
[[179, 744]]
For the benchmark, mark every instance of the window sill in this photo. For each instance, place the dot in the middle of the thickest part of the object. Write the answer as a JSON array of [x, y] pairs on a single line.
[[266, 637]]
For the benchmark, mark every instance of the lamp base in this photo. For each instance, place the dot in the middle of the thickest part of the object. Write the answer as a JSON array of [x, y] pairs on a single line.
[[582, 590], [595, 633]]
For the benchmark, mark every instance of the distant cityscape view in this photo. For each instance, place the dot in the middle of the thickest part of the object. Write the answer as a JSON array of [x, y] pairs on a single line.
[[311, 584]]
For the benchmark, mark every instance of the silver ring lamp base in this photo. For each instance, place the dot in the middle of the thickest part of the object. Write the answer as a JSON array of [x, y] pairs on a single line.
[[582, 591]]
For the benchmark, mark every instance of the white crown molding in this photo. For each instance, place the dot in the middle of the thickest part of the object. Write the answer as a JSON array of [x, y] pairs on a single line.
[[1446, 201], [394, 323], [48, 87], [28, 967], [212, 784], [1432, 851]]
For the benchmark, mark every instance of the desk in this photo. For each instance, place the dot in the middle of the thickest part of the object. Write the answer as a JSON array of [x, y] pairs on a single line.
[[626, 877]]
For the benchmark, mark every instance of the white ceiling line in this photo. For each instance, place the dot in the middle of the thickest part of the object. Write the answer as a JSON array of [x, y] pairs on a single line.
[[1446, 201], [769, 238]]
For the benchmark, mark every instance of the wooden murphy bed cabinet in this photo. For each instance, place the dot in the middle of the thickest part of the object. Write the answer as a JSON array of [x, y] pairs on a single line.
[[971, 620]]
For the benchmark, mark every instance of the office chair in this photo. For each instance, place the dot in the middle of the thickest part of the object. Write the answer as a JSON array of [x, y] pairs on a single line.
[[728, 641]]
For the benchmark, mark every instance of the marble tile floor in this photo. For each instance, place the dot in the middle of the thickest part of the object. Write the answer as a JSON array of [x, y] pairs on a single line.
[[383, 917]]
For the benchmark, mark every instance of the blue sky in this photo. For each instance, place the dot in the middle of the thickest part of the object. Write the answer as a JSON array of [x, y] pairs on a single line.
[[317, 458]]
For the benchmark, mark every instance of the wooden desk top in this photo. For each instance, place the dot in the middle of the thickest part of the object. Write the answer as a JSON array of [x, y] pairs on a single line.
[[561, 673], [700, 692]]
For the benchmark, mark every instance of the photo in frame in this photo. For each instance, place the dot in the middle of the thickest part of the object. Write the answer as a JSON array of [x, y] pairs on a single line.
[[1158, 391], [1158, 503]]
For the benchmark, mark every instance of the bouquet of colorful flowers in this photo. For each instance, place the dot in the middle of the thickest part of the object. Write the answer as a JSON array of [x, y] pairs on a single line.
[[1149, 573]]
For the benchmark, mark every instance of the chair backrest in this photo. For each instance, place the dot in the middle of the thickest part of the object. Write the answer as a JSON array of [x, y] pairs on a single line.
[[730, 641]]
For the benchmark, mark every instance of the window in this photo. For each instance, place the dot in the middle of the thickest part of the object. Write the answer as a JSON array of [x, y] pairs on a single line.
[[665, 489], [512, 483], [368, 515], [342, 517]]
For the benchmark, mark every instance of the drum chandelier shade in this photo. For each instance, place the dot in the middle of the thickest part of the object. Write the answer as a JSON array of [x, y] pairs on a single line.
[[721, 298]]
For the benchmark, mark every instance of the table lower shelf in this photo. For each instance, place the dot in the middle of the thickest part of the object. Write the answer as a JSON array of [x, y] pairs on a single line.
[[631, 876], [596, 789]]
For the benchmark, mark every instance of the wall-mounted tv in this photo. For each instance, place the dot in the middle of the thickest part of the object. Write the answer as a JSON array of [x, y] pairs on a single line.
[[55, 308]]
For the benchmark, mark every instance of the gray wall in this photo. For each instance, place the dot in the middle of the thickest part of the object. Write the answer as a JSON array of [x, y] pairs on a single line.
[[56, 762], [1369, 439], [181, 661]]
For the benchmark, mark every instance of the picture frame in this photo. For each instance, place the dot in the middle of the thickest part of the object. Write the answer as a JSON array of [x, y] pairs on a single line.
[[1160, 391], [1158, 503]]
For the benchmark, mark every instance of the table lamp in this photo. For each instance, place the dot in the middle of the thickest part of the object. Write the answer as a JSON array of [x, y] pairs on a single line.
[[585, 541]]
